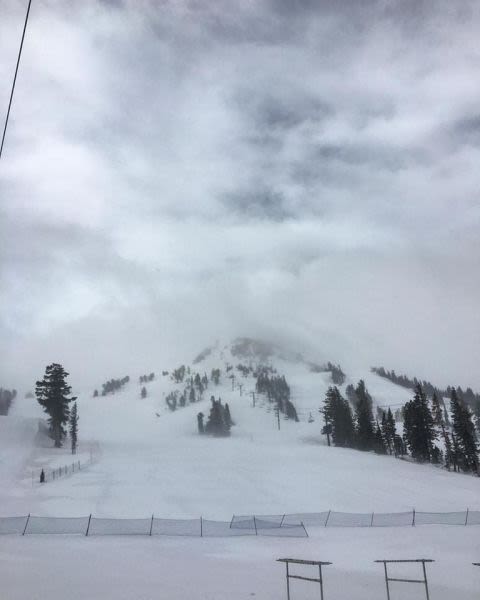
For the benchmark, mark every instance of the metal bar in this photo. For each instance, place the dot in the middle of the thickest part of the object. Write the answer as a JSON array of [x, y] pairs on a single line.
[[413, 560], [151, 526], [288, 582], [386, 580], [299, 561], [88, 526], [328, 516], [426, 583], [406, 580], [306, 532], [26, 524], [321, 582], [314, 579]]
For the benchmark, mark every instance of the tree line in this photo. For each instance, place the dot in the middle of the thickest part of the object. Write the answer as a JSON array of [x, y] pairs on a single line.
[[195, 386], [425, 420], [112, 386], [469, 396], [277, 390]]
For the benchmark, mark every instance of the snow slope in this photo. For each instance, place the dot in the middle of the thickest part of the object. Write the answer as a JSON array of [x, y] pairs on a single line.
[[160, 464]]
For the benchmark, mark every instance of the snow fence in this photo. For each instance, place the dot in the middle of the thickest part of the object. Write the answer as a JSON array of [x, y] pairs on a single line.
[[97, 526], [343, 519], [287, 525]]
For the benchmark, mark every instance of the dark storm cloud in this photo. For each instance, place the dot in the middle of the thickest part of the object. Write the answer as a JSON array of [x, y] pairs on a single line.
[[198, 169]]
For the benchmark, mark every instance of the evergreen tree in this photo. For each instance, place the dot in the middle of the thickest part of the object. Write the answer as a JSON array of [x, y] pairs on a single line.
[[143, 393], [201, 428], [389, 430], [228, 418], [192, 398], [95, 393], [439, 422], [338, 418], [466, 445], [217, 423], [52, 394], [380, 447], [419, 430], [73, 427], [364, 417]]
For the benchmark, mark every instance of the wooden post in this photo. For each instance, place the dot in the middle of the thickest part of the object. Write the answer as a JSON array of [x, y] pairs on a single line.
[[466, 517], [201, 526], [371, 520], [255, 524], [413, 518]]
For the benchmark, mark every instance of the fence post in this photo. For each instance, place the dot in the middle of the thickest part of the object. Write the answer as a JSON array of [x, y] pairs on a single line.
[[201, 526], [413, 518], [88, 526], [466, 517], [26, 524], [151, 526], [281, 522], [328, 516], [233, 517], [255, 524], [306, 532], [371, 520]]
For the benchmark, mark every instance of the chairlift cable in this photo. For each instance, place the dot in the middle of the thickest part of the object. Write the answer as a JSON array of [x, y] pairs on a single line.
[[15, 77]]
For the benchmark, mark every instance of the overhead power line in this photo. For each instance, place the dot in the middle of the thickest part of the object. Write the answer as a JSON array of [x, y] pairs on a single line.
[[15, 77]]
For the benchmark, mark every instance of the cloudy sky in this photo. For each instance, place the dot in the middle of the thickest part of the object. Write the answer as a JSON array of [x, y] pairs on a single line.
[[181, 171]]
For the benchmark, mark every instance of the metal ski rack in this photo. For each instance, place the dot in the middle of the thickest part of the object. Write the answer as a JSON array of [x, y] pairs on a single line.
[[417, 560], [296, 561]]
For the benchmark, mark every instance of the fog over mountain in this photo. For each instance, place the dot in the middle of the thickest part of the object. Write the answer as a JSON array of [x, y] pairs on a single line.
[[293, 170]]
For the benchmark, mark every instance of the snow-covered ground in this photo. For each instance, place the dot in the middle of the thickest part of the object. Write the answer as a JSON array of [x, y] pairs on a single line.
[[152, 460], [143, 568]]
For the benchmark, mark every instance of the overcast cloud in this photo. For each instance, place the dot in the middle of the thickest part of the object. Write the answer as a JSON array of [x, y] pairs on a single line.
[[177, 171]]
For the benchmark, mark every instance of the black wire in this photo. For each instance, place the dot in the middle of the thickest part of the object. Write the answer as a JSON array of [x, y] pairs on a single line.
[[15, 77]]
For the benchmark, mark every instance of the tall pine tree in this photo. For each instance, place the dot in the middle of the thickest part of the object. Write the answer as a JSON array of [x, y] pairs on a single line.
[[439, 421], [419, 430], [73, 427], [466, 445], [52, 393], [364, 418]]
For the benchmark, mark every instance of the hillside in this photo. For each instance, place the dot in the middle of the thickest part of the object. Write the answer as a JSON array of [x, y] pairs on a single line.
[[151, 459]]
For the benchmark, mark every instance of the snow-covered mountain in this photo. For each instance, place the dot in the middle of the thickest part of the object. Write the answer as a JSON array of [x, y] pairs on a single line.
[[149, 458]]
